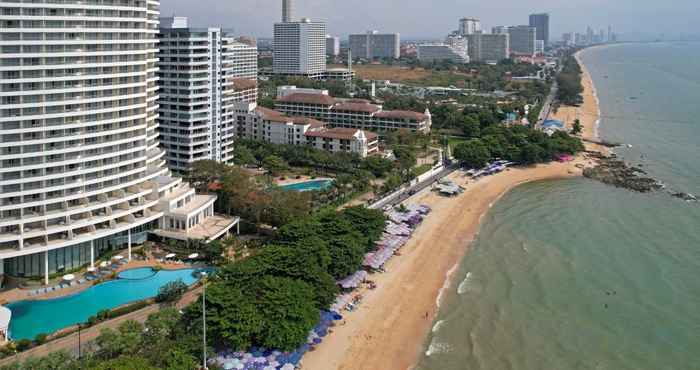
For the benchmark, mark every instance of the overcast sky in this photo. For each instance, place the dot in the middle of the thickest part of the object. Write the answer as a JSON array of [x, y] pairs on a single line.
[[436, 18]]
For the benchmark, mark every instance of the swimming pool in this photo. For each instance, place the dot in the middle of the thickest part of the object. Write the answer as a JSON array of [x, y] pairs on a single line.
[[30, 318], [313, 185]]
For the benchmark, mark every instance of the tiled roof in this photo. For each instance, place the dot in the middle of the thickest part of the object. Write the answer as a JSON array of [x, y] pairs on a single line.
[[402, 114], [307, 98], [339, 133], [307, 121], [271, 114], [356, 107]]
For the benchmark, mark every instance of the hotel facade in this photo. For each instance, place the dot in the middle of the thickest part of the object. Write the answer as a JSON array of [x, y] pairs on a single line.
[[263, 124], [82, 173], [351, 113]]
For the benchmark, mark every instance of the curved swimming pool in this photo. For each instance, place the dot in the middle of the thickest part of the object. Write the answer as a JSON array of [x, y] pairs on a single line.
[[137, 273], [30, 318], [313, 185]]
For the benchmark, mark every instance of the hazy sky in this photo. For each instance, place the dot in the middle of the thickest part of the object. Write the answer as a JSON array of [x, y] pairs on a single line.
[[436, 18]]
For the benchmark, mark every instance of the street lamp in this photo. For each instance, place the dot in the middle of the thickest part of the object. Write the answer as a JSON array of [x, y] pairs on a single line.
[[204, 322]]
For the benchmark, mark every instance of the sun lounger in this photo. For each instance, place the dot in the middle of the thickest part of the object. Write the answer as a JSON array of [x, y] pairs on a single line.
[[82, 281]]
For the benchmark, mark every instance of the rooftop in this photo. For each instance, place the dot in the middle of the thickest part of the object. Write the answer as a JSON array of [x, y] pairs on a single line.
[[402, 114], [306, 98], [211, 228], [340, 133], [355, 106]]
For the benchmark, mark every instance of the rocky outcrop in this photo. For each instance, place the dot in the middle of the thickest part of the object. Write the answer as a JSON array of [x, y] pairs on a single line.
[[617, 173]]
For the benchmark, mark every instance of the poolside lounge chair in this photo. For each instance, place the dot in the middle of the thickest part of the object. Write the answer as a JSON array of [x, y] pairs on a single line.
[[82, 281]]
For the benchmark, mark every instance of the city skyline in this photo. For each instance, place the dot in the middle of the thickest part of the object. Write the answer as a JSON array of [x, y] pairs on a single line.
[[425, 20]]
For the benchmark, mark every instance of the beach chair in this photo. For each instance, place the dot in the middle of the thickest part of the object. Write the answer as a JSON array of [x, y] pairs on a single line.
[[82, 281]]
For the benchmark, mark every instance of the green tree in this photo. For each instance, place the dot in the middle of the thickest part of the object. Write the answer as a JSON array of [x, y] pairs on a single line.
[[577, 127], [472, 153], [126, 340], [369, 222], [288, 311], [470, 126], [243, 156], [125, 363], [406, 158], [274, 164], [171, 292], [177, 359]]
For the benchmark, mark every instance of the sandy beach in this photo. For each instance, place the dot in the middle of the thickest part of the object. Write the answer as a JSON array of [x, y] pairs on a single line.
[[389, 329], [588, 113]]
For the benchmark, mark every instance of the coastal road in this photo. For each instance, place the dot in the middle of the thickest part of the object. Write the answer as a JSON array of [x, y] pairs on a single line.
[[547, 107], [413, 189]]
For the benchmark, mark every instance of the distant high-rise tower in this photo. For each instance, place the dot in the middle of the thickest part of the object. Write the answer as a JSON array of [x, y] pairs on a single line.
[[287, 11], [469, 26], [541, 22]]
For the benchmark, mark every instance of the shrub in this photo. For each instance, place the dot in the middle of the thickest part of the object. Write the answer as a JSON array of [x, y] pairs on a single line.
[[23, 344], [171, 292], [41, 338]]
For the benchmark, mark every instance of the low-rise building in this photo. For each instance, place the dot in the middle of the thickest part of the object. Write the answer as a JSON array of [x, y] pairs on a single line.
[[263, 124], [352, 113]]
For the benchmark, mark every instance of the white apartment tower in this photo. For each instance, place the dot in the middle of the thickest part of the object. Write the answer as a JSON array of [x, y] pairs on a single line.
[[287, 11], [81, 172], [300, 49], [203, 73]]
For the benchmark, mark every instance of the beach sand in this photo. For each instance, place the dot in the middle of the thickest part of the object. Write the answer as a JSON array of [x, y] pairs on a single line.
[[588, 113], [389, 329]]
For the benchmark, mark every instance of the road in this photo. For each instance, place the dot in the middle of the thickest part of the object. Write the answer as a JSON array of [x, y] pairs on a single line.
[[415, 188], [547, 107]]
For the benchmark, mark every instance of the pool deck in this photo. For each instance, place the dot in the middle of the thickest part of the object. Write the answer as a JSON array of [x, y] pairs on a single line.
[[69, 343], [18, 294]]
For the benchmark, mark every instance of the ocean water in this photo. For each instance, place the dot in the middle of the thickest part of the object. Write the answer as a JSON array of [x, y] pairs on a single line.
[[574, 274]]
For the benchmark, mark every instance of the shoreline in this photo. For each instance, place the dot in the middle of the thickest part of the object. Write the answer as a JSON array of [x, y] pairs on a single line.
[[390, 329]]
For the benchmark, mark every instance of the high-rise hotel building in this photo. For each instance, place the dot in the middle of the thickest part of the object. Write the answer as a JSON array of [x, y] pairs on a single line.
[[81, 172], [300, 49], [203, 73]]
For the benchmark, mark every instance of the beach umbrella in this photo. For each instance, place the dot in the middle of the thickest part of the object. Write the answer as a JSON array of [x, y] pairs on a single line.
[[118, 257], [91, 269], [103, 264], [287, 367], [69, 277], [229, 366], [170, 255], [193, 256]]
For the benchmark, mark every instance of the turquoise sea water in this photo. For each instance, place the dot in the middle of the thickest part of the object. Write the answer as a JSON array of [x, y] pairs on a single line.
[[30, 318], [308, 185], [574, 274]]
